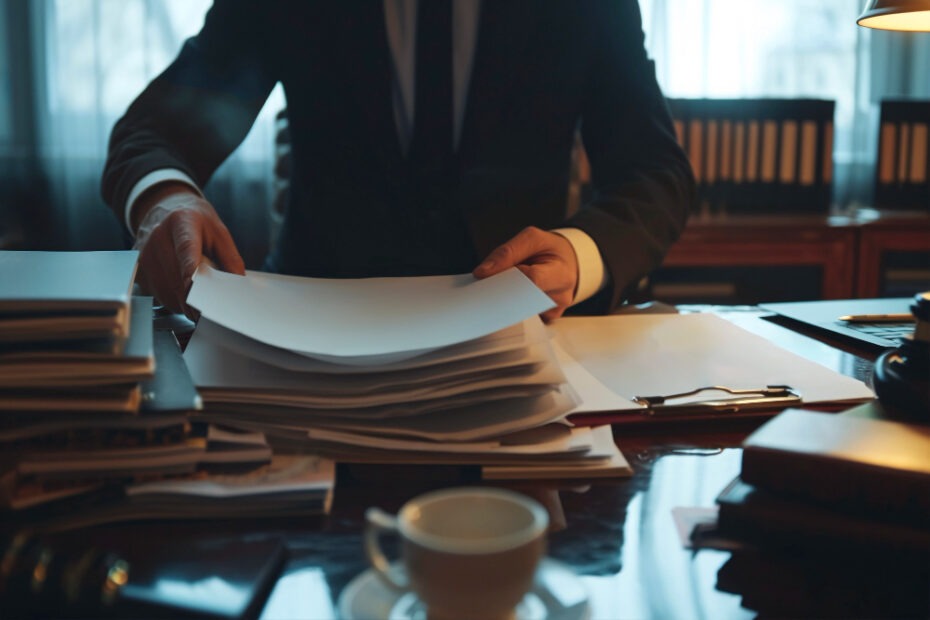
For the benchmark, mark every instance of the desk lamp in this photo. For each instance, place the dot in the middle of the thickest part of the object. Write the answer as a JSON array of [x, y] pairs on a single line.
[[906, 15]]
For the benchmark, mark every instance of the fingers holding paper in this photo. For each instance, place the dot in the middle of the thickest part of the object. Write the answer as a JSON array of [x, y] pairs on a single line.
[[177, 231], [546, 258]]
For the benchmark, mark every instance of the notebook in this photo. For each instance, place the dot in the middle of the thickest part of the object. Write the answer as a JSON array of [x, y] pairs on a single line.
[[824, 315]]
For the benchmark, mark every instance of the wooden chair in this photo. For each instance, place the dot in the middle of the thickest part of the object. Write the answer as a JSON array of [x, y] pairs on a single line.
[[902, 171], [762, 156]]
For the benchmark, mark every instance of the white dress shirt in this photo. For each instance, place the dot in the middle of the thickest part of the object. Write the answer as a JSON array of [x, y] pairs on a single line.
[[400, 17]]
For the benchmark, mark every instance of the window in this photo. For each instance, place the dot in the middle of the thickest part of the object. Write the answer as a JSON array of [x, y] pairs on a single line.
[[96, 56]]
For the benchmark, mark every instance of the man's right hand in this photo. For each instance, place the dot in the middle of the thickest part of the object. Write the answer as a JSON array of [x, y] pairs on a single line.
[[176, 230]]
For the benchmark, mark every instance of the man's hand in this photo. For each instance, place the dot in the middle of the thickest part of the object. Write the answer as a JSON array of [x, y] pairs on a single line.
[[545, 258], [177, 230]]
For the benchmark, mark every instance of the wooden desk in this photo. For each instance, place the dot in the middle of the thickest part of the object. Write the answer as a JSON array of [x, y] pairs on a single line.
[[618, 535]]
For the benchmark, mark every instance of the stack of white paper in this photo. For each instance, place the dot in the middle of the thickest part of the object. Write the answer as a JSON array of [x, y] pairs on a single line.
[[286, 486], [433, 369]]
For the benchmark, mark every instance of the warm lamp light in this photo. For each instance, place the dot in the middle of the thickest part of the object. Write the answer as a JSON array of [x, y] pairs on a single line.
[[911, 15]]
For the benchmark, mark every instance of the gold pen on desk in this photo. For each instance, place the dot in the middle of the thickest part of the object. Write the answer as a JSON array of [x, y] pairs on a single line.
[[877, 318]]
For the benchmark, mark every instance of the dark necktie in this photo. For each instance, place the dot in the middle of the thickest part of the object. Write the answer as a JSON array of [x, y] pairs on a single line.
[[432, 123]]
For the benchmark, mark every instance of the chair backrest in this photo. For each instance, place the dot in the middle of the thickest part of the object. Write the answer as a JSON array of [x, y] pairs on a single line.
[[282, 175], [759, 155], [902, 170]]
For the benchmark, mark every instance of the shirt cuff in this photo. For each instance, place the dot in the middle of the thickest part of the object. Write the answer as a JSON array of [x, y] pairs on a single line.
[[592, 274], [150, 180]]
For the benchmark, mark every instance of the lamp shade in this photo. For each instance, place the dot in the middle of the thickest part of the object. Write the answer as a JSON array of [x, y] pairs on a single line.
[[912, 15]]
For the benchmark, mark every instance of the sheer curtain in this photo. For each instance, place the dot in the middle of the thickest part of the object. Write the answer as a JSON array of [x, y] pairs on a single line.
[[792, 48], [95, 56]]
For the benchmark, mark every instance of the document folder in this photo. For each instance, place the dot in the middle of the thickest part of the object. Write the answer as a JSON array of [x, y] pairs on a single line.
[[699, 368]]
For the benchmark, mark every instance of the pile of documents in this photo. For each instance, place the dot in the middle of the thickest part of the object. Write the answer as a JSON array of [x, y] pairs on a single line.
[[439, 369], [95, 402]]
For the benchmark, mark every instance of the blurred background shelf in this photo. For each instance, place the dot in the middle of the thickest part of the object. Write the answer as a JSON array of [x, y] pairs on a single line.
[[750, 259]]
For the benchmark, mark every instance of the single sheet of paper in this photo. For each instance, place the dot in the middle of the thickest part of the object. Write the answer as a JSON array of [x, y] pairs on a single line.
[[369, 319]]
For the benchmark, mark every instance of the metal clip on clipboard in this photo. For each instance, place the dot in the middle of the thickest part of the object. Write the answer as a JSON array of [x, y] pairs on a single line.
[[769, 397]]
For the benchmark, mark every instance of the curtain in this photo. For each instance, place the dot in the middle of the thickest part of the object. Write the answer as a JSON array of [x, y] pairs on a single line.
[[792, 48], [93, 58]]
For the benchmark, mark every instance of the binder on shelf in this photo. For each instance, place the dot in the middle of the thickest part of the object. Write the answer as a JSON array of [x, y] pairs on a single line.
[[902, 174], [758, 155]]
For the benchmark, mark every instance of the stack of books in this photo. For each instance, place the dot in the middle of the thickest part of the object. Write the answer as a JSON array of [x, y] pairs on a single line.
[[822, 502], [96, 406], [70, 338], [438, 370]]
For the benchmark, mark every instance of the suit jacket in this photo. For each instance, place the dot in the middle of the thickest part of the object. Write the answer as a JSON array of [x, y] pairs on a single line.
[[359, 207]]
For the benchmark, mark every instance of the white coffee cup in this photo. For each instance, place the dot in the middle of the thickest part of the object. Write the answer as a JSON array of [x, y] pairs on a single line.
[[468, 552]]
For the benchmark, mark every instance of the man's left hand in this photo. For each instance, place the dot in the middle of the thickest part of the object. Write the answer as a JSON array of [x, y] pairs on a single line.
[[545, 258]]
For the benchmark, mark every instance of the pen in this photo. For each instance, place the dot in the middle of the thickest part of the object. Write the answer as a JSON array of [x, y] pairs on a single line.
[[877, 318]]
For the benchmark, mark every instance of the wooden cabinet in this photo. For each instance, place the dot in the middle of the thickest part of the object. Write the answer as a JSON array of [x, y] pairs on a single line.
[[893, 255], [751, 259]]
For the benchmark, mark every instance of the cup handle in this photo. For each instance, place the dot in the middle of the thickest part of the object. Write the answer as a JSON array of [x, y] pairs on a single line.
[[380, 522]]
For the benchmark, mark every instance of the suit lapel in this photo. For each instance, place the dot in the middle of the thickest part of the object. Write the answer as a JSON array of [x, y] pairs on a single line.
[[498, 68]]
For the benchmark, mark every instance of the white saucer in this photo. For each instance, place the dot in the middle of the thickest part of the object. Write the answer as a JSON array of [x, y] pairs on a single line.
[[557, 594]]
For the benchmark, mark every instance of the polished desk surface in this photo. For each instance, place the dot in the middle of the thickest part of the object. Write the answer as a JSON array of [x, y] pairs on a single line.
[[617, 535]]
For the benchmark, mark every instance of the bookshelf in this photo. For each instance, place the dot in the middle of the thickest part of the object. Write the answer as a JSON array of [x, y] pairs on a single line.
[[758, 155], [748, 259]]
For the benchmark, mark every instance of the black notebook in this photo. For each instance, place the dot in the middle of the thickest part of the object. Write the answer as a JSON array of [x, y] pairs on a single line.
[[765, 518], [223, 579]]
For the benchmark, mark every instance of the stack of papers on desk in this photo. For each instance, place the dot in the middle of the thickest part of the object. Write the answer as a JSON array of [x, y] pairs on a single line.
[[55, 455], [439, 369], [284, 487], [91, 397]]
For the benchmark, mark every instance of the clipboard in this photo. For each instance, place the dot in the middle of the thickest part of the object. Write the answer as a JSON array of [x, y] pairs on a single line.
[[704, 369], [723, 405], [740, 400]]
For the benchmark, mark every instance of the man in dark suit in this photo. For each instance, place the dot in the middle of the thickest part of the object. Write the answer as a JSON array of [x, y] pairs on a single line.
[[426, 136]]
